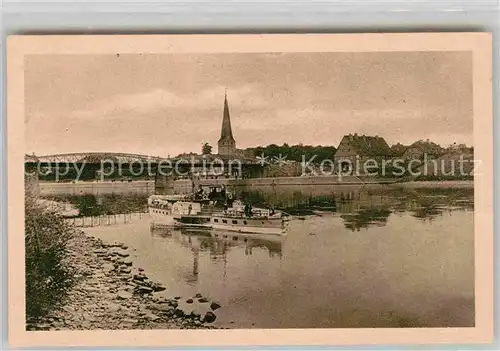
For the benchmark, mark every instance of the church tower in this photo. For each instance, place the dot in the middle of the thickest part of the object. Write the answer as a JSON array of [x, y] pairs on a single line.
[[227, 144]]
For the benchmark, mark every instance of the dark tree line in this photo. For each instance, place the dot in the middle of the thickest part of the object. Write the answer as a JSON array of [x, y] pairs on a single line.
[[295, 152]]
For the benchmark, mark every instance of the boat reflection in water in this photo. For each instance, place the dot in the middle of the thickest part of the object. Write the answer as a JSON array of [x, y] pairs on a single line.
[[219, 242], [162, 231]]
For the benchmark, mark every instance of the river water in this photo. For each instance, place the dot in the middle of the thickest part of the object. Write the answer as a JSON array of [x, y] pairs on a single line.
[[379, 258]]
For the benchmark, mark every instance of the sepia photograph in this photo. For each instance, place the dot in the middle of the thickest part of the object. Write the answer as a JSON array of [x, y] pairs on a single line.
[[231, 183]]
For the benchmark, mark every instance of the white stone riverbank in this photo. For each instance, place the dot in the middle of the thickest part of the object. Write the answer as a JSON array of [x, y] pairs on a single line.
[[111, 293]]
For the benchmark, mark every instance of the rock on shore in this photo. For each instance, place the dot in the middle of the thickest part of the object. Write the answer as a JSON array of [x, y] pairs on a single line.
[[110, 293]]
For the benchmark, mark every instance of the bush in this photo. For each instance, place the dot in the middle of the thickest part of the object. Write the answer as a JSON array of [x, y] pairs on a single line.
[[47, 275]]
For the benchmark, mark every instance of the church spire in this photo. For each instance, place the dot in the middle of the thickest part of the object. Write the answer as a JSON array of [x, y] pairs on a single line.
[[226, 132], [227, 144]]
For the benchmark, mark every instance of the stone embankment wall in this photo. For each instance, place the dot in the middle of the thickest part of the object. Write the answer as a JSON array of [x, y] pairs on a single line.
[[185, 185], [97, 188]]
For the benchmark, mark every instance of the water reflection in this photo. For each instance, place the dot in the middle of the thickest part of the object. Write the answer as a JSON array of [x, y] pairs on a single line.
[[373, 208], [104, 204], [366, 217], [218, 243], [363, 207], [427, 204]]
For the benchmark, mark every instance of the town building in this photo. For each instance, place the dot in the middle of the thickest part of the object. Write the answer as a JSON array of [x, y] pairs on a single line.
[[398, 150], [421, 148], [459, 149], [355, 150]]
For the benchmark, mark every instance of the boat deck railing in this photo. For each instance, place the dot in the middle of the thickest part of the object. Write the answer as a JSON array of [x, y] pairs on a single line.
[[254, 215]]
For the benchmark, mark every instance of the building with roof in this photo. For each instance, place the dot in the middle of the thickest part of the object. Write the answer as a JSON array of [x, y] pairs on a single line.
[[398, 150], [354, 150], [418, 149]]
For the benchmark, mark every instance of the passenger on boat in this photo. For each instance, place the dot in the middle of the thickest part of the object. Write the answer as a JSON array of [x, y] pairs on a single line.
[[213, 193], [199, 193], [248, 210], [200, 190]]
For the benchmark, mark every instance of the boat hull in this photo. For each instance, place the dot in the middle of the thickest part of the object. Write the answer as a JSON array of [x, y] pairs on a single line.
[[274, 226], [241, 225], [161, 217], [193, 221]]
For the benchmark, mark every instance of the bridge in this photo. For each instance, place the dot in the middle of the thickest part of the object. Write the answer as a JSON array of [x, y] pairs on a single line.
[[93, 157], [88, 166], [128, 158]]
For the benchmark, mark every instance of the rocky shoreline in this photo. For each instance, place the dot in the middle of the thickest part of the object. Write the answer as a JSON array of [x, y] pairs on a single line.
[[109, 293]]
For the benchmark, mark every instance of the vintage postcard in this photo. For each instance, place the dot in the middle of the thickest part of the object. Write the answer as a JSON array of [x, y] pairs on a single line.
[[218, 190]]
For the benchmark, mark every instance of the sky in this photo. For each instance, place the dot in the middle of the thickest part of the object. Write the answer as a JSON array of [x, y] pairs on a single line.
[[167, 104]]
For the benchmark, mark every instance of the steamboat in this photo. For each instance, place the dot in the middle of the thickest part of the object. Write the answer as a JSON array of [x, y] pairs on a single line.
[[214, 208]]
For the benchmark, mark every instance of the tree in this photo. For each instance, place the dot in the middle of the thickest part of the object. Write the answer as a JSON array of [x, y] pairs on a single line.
[[296, 152], [206, 149]]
